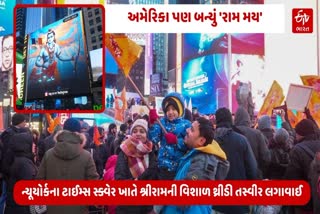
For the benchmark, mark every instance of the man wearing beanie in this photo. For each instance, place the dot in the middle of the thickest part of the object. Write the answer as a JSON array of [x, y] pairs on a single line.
[[18, 123], [172, 146], [307, 136], [243, 165], [67, 160]]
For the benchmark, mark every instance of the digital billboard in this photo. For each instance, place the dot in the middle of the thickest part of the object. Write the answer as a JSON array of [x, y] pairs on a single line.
[[6, 16], [205, 83], [205, 63], [56, 59]]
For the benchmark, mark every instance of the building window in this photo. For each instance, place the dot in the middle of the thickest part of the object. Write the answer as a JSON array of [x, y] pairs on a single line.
[[98, 19], [92, 30], [93, 39], [97, 11], [91, 22], [101, 46], [99, 28], [90, 14], [100, 37], [94, 47]]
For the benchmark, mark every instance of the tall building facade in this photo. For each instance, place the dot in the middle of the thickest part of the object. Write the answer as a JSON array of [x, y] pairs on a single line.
[[93, 27]]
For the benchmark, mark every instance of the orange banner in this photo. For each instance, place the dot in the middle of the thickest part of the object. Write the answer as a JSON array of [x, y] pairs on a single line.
[[120, 104], [96, 136], [52, 123], [314, 103], [274, 99], [295, 117], [125, 51]]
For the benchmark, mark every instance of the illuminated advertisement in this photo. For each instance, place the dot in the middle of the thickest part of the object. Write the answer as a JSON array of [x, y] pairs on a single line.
[[96, 65], [111, 64], [204, 69], [6, 14], [57, 60], [200, 81]]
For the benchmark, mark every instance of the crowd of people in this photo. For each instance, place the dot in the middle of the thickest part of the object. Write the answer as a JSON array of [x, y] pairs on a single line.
[[178, 146]]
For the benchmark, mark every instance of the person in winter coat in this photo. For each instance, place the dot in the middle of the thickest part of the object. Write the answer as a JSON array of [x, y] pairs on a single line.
[[115, 146], [172, 146], [205, 161], [98, 150], [109, 176], [256, 139], [22, 168], [67, 160], [48, 142], [307, 135], [136, 161], [264, 125], [279, 148], [243, 165]]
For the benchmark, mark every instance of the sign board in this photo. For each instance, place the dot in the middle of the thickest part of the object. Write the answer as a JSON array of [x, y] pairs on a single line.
[[158, 101], [298, 97], [141, 110]]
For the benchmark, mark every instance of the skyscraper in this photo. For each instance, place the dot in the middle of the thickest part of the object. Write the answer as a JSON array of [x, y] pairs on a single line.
[[93, 27]]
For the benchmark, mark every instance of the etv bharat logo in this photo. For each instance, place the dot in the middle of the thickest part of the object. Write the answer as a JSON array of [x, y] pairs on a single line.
[[302, 20]]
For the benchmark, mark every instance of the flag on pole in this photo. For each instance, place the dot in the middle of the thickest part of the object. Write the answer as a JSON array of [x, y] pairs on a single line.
[[274, 99], [52, 123], [120, 104], [314, 104], [96, 135], [125, 51], [294, 117]]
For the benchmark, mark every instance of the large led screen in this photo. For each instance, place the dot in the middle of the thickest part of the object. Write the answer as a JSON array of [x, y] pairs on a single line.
[[57, 60], [205, 74], [205, 83]]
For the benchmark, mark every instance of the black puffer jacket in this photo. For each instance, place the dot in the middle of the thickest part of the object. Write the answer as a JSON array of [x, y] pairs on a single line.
[[22, 168]]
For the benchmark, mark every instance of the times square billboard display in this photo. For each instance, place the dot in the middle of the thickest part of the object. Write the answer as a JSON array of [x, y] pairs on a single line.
[[57, 59], [205, 75]]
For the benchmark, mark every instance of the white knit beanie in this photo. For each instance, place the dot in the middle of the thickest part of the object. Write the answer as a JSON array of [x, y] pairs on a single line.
[[140, 122]]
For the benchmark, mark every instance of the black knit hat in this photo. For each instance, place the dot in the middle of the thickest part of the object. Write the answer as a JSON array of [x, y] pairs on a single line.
[[306, 127], [223, 117], [72, 125], [17, 119]]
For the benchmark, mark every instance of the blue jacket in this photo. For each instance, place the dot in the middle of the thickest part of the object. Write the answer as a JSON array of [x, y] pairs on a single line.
[[200, 164], [169, 155]]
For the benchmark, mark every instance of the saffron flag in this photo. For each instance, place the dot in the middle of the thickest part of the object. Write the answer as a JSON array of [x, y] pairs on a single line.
[[294, 117], [52, 123], [273, 99], [120, 104], [125, 51], [96, 136], [314, 103]]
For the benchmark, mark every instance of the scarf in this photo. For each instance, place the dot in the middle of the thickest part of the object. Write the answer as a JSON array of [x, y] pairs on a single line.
[[138, 155]]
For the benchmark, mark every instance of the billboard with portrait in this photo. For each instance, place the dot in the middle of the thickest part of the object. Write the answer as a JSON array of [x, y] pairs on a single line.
[[6, 64], [56, 61]]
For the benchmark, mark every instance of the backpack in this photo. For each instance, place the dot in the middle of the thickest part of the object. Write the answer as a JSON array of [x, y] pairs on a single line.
[[313, 176]]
